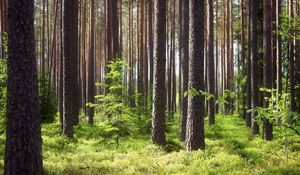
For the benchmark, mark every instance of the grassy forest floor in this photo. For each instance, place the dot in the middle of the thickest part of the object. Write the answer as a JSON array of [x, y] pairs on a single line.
[[230, 149]]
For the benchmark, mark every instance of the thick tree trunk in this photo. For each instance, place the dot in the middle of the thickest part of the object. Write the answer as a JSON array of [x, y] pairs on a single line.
[[70, 65], [195, 120], [158, 121], [23, 149]]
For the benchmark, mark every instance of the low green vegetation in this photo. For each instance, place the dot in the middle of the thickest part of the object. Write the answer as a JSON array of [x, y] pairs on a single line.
[[231, 149]]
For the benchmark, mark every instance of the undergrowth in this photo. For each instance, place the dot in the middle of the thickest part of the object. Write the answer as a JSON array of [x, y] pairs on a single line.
[[231, 149]]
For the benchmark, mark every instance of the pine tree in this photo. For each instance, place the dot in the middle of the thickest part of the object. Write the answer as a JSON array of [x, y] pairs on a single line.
[[23, 149]]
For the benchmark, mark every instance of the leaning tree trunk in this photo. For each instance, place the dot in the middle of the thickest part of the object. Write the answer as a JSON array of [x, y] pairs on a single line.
[[195, 118], [158, 120], [23, 150]]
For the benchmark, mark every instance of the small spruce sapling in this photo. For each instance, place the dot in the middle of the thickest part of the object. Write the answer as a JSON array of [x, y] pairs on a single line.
[[115, 116]]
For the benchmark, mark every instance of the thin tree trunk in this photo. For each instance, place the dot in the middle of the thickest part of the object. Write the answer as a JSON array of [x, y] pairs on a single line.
[[91, 66], [248, 90], [279, 47], [211, 64], [185, 66], [291, 63], [253, 58], [150, 41]]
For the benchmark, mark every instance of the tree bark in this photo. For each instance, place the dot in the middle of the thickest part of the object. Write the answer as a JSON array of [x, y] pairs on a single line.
[[23, 149], [150, 41], [195, 120], [254, 65], [158, 120], [70, 65], [267, 126], [291, 63], [91, 66], [248, 87], [185, 66], [211, 63]]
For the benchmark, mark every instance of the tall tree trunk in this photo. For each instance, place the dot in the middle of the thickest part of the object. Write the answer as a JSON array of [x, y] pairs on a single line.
[[141, 52], [115, 28], [173, 60], [109, 41], [211, 64], [158, 120], [185, 66], [243, 47], [279, 47], [180, 94], [150, 41], [70, 84], [3, 22], [195, 120], [91, 66], [254, 65], [23, 149], [248, 87], [217, 56], [267, 126], [145, 57], [291, 63], [61, 71], [274, 42]]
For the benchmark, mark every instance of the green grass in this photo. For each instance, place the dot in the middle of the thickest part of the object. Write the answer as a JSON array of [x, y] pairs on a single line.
[[230, 149]]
